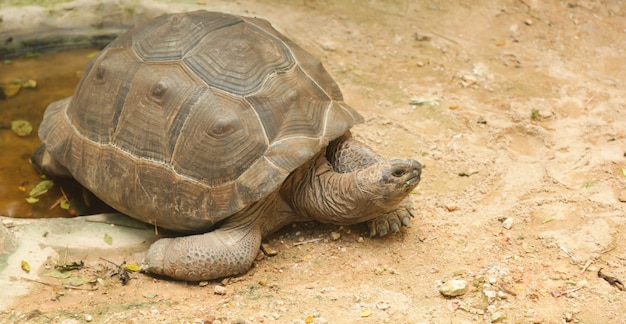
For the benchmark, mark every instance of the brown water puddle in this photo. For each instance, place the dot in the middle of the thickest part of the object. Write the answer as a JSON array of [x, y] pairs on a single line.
[[56, 74]]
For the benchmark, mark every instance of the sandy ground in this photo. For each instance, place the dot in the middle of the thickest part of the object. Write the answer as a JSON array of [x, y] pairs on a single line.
[[516, 108]]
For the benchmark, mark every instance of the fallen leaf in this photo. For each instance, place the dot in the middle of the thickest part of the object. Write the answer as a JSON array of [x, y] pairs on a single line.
[[65, 204], [309, 319], [11, 89], [21, 127], [25, 266], [29, 84], [366, 313], [134, 267], [108, 239], [57, 274], [624, 171], [41, 188], [150, 295], [590, 183], [77, 281], [70, 266], [32, 200]]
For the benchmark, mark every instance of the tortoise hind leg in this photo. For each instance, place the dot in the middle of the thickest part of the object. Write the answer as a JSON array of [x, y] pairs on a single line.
[[224, 252], [346, 154]]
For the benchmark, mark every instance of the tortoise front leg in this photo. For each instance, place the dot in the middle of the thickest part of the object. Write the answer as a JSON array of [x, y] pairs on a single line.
[[346, 154], [224, 252]]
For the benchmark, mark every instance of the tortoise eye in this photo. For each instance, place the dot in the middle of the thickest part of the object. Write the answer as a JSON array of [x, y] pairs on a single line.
[[398, 172]]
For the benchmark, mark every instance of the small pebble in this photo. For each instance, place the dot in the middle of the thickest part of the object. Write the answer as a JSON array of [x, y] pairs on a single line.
[[203, 283], [453, 288], [88, 318], [382, 305], [360, 239], [507, 223], [497, 317], [70, 321], [329, 46], [421, 37], [8, 223], [528, 22], [451, 207], [622, 196], [490, 295], [335, 236], [220, 290]]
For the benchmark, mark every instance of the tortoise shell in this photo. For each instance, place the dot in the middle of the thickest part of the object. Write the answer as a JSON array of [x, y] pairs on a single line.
[[188, 118]]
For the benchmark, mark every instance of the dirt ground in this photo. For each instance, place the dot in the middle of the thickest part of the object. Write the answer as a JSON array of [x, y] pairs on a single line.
[[517, 110]]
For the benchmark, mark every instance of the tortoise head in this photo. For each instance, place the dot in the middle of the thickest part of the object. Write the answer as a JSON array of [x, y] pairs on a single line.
[[387, 183]]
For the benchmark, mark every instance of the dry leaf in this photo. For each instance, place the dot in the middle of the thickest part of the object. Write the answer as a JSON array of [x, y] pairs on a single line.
[[134, 267], [108, 239], [25, 266]]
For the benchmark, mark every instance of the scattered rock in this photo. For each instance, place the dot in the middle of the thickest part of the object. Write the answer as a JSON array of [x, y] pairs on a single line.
[[421, 37], [382, 305], [468, 80], [497, 316], [622, 196], [451, 207], [426, 102], [329, 46], [490, 295], [88, 318], [453, 288], [335, 236], [220, 290], [8, 223], [507, 223]]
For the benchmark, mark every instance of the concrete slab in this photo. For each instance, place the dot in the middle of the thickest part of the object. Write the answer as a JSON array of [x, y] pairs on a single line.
[[38, 241]]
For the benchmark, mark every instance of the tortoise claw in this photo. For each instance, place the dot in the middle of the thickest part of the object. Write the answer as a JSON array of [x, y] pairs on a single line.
[[392, 221]]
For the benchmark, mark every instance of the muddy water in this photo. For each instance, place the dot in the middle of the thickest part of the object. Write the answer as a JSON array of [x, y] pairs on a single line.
[[56, 74]]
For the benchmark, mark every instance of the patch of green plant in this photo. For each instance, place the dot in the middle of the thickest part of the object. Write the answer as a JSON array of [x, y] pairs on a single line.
[[590, 184], [534, 113]]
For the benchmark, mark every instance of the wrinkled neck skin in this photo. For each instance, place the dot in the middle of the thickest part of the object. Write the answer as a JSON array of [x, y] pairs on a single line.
[[316, 192]]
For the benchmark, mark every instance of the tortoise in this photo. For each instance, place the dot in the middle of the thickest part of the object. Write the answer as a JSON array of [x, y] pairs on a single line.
[[221, 128]]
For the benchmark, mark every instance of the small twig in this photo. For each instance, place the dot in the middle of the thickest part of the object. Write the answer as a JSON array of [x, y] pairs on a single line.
[[59, 286], [432, 238], [573, 289], [587, 103], [587, 264], [507, 290], [608, 249], [109, 261], [122, 273], [307, 241], [63, 197], [559, 293]]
